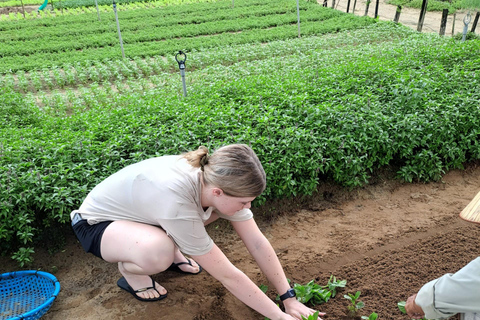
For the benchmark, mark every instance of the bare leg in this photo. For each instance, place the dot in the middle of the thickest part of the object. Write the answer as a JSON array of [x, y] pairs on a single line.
[[140, 250]]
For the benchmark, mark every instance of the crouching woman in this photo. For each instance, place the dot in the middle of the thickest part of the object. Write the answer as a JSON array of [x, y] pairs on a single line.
[[146, 216]]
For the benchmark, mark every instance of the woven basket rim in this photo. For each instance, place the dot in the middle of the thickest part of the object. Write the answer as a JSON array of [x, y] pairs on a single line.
[[28, 273]]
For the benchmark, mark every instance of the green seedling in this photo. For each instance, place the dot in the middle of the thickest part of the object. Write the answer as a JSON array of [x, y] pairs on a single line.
[[401, 306], [263, 287], [316, 294], [355, 304], [312, 292], [372, 316], [333, 284], [311, 317]]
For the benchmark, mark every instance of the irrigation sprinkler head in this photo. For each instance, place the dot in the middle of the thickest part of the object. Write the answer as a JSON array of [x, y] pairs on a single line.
[[467, 18], [181, 57]]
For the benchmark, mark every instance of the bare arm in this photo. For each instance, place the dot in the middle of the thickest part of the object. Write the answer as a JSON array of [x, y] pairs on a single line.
[[218, 265], [266, 258]]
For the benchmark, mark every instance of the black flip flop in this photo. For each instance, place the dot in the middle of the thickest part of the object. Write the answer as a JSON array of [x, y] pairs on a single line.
[[123, 284], [174, 267]]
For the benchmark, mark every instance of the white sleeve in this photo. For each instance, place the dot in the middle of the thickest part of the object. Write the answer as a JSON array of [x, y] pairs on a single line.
[[452, 293]]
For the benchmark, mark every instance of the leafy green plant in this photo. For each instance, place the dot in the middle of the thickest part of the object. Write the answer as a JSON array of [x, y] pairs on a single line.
[[312, 292], [372, 316], [333, 284], [312, 316], [316, 294], [355, 305]]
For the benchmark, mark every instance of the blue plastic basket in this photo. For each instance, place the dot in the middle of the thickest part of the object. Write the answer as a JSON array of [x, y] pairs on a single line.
[[27, 295]]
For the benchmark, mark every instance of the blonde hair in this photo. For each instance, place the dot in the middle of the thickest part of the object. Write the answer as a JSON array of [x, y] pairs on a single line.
[[234, 168]]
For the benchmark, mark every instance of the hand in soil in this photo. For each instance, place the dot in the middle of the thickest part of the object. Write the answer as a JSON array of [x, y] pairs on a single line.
[[297, 309], [413, 310]]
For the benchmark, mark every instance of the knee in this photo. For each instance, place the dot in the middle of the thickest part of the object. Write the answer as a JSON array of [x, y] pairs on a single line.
[[157, 257]]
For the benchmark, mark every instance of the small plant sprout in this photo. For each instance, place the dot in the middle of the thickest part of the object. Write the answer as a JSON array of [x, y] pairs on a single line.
[[333, 284], [355, 304], [311, 317], [372, 316], [263, 287]]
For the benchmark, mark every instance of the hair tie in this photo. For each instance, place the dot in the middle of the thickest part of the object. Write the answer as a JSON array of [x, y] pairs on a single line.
[[203, 161]]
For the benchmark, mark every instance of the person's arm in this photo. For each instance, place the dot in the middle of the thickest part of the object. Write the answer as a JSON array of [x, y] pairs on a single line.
[[218, 265], [452, 293], [264, 254]]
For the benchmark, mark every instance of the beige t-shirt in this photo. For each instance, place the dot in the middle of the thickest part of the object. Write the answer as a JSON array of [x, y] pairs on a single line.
[[162, 191]]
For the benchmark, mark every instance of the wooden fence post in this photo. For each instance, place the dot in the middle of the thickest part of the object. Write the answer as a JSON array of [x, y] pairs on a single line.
[[366, 8], [397, 14], [474, 26], [453, 24], [443, 23], [422, 15]]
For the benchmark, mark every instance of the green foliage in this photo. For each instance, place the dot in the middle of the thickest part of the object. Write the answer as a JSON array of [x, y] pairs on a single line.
[[335, 108], [67, 40], [333, 285], [439, 5], [470, 4], [316, 294], [469, 36], [311, 317], [355, 305], [372, 316]]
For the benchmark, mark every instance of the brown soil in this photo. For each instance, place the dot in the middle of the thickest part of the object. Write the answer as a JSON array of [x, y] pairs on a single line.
[[7, 10], [386, 240]]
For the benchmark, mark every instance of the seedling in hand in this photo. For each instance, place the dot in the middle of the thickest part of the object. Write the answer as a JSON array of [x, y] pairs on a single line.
[[311, 317], [401, 306]]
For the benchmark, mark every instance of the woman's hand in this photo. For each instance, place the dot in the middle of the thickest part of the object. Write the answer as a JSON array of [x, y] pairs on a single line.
[[413, 310], [297, 309]]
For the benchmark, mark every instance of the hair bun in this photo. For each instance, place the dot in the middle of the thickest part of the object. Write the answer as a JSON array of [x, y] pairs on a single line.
[[204, 161]]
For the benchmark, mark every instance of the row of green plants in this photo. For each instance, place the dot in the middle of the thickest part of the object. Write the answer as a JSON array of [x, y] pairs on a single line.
[[159, 12], [55, 44], [91, 3], [78, 27], [169, 47], [314, 294], [80, 73], [410, 103], [439, 5]]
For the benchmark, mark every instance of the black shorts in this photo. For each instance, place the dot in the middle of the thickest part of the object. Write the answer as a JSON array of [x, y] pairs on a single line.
[[90, 236]]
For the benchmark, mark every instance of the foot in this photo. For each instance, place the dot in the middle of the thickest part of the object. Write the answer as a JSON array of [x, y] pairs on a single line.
[[185, 267], [139, 282]]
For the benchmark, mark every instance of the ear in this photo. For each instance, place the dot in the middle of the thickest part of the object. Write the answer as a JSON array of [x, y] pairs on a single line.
[[217, 192]]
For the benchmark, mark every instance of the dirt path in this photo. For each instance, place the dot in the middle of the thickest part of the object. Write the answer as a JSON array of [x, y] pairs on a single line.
[[386, 240], [408, 16]]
